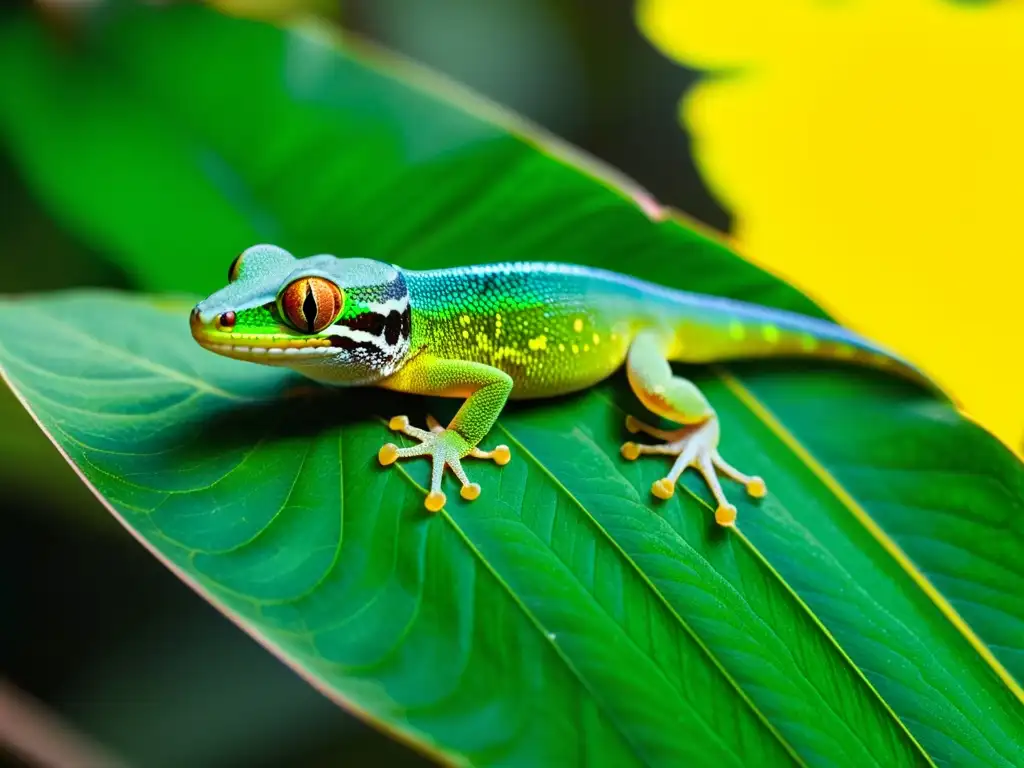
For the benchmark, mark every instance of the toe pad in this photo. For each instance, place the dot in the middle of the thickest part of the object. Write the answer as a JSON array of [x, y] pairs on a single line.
[[725, 514], [757, 488], [502, 455], [434, 501], [387, 454], [664, 488]]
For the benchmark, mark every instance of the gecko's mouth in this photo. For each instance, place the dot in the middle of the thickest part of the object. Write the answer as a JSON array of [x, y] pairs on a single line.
[[247, 349], [256, 348]]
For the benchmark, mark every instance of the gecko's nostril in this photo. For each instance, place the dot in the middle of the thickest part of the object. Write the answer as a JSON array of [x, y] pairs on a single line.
[[225, 321]]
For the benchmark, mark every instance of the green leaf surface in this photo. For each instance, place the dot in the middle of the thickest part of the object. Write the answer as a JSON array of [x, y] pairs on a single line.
[[866, 612]]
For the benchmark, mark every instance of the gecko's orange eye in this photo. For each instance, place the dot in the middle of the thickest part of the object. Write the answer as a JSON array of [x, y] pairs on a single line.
[[311, 304]]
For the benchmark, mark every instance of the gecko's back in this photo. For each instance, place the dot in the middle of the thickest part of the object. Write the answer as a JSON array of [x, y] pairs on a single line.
[[557, 328]]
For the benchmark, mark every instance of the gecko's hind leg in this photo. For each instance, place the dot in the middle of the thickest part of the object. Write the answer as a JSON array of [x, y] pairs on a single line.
[[695, 444]]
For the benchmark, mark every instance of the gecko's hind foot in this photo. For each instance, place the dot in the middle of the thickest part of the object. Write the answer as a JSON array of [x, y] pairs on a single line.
[[695, 447], [445, 447]]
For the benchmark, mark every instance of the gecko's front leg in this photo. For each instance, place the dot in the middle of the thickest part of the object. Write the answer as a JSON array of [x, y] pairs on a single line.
[[486, 390]]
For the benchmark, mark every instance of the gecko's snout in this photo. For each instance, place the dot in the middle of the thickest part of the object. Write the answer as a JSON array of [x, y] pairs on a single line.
[[198, 322]]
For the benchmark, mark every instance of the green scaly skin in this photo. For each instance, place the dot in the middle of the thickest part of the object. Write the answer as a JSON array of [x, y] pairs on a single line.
[[491, 332]]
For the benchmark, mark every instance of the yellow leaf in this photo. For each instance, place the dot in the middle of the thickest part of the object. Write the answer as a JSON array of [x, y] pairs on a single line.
[[872, 152]]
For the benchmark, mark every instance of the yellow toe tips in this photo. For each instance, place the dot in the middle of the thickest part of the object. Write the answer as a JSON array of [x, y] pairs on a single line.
[[387, 454], [397, 424], [435, 501], [470, 492], [632, 425], [757, 488], [664, 488], [725, 515], [630, 452], [502, 455]]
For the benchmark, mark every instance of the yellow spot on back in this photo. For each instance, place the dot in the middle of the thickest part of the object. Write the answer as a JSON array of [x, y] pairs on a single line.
[[541, 342], [597, 339], [464, 319], [770, 333], [465, 333], [736, 330], [511, 353], [561, 347], [577, 325], [586, 347], [575, 349]]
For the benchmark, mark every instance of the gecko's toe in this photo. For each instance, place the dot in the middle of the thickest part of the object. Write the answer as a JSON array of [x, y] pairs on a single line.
[[632, 425], [725, 514], [757, 488], [664, 488], [630, 451], [435, 501], [501, 455], [398, 423], [387, 454], [470, 492]]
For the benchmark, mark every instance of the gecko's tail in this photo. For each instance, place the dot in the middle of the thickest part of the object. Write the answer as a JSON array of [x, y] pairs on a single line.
[[718, 329]]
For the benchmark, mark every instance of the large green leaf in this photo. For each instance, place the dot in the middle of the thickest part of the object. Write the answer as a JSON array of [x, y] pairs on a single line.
[[865, 612]]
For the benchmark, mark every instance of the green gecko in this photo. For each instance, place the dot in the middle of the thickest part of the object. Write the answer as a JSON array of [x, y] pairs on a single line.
[[498, 331]]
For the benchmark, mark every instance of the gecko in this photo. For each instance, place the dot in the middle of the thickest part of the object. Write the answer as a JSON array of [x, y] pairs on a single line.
[[489, 333]]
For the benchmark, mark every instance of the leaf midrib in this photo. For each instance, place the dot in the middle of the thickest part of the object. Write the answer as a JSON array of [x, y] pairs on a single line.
[[773, 424], [661, 598], [785, 585], [764, 414]]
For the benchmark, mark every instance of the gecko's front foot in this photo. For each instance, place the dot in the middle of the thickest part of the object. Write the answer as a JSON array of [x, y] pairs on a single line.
[[695, 447], [445, 447]]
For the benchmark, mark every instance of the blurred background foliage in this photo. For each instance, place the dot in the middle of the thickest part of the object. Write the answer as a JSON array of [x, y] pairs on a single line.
[[808, 109], [870, 153]]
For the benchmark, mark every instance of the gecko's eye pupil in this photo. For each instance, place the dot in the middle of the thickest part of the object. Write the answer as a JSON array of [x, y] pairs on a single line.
[[225, 321], [311, 304], [309, 311]]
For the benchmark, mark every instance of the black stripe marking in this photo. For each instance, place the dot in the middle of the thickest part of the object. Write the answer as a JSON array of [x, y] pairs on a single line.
[[406, 322], [391, 327], [371, 322], [394, 328], [344, 342]]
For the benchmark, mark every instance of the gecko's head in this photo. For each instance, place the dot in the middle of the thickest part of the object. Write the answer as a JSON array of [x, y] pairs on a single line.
[[336, 320]]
